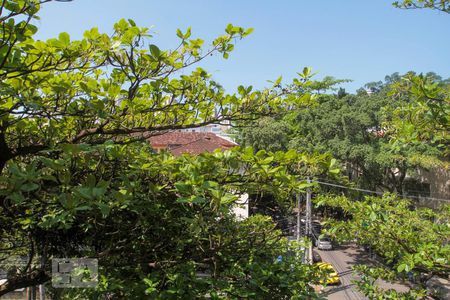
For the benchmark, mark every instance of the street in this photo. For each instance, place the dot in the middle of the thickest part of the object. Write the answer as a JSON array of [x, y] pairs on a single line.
[[343, 258]]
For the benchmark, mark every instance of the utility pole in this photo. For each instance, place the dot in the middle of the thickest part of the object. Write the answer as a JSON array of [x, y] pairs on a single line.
[[298, 217], [32, 294], [308, 210], [41, 286], [308, 222]]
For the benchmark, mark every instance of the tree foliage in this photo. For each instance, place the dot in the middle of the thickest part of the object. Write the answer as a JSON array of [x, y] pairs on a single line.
[[267, 133], [440, 5], [424, 116], [414, 241], [78, 179], [353, 129]]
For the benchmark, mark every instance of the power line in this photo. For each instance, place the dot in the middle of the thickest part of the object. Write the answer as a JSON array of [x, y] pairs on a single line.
[[348, 188], [376, 192], [421, 192], [429, 198], [408, 191]]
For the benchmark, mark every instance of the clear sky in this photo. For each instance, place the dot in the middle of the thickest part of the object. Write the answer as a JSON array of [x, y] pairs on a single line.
[[362, 40]]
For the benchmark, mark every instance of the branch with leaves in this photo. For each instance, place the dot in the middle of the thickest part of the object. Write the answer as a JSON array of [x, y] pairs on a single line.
[[440, 5]]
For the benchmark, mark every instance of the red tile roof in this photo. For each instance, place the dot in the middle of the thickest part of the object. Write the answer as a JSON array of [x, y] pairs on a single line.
[[190, 142]]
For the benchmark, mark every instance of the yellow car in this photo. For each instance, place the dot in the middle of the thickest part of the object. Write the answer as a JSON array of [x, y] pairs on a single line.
[[333, 277]]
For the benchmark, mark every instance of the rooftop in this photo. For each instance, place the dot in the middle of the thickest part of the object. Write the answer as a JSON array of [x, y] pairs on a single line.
[[190, 142]]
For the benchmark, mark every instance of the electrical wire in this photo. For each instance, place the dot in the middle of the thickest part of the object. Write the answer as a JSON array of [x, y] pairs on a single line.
[[375, 192], [408, 191], [348, 188]]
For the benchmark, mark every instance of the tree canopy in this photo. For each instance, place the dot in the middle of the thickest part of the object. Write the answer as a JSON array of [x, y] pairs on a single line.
[[363, 131], [424, 115], [411, 241], [440, 5], [353, 128], [78, 178]]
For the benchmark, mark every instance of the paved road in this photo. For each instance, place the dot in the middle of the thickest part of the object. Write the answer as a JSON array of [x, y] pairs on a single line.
[[343, 258]]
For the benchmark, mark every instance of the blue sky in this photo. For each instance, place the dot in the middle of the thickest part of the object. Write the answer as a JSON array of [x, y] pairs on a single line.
[[362, 40]]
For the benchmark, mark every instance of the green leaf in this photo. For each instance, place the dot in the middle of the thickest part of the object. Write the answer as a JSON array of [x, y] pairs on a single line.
[[85, 192], [188, 33], [154, 50], [98, 192], [306, 71], [278, 81], [53, 164], [180, 34], [197, 199], [104, 209], [334, 171], [183, 187], [183, 200], [241, 90], [305, 185], [17, 198], [249, 31], [64, 37], [83, 207], [29, 186], [229, 28], [407, 268]]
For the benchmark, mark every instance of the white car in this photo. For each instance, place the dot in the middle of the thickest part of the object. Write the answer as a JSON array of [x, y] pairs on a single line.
[[324, 243]]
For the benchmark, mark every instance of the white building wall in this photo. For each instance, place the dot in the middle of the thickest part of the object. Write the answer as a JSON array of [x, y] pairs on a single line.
[[220, 130], [241, 207]]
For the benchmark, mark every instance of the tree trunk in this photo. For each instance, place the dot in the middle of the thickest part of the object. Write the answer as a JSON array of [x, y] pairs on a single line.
[[28, 280]]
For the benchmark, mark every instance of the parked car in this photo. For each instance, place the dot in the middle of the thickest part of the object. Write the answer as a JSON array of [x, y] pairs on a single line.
[[333, 277], [323, 243]]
